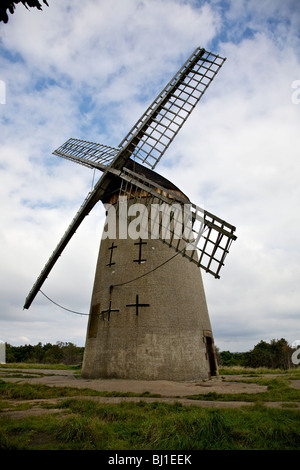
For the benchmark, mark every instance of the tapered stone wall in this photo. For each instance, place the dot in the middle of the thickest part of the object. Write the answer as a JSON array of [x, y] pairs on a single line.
[[148, 317]]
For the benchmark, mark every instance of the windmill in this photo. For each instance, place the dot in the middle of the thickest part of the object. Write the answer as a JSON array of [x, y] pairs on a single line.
[[148, 317]]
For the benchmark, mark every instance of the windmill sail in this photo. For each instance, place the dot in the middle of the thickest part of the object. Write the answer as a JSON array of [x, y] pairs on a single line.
[[147, 140], [200, 236], [90, 201], [86, 153], [156, 129]]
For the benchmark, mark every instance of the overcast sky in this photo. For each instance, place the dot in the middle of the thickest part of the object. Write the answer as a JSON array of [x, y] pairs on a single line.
[[89, 70]]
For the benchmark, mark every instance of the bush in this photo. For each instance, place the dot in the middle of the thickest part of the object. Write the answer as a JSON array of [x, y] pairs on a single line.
[[59, 353]]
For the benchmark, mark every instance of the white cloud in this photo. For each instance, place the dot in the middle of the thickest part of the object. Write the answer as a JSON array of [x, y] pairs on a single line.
[[240, 154]]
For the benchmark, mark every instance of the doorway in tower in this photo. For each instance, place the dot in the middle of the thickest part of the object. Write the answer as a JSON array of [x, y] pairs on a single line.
[[210, 352]]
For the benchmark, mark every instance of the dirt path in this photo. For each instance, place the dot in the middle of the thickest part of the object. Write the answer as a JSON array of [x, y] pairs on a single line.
[[66, 378], [169, 391]]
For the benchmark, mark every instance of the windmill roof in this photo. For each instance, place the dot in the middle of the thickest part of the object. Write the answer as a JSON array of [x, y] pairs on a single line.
[[144, 172], [152, 175]]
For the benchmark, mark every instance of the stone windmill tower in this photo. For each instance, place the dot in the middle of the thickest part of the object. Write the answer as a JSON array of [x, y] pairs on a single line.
[[148, 317]]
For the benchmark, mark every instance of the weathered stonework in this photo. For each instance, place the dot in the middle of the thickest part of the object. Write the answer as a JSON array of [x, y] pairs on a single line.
[[155, 327]]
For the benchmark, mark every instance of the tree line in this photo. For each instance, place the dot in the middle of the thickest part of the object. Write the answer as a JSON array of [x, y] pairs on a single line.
[[273, 355], [59, 353]]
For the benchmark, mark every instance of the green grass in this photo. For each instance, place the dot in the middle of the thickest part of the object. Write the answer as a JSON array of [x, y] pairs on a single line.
[[29, 365], [258, 371], [26, 391], [88, 425], [278, 389]]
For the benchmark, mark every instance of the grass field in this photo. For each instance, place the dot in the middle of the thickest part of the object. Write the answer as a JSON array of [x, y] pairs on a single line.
[[83, 423]]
